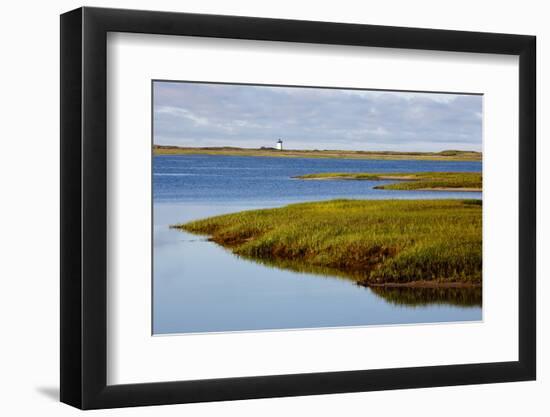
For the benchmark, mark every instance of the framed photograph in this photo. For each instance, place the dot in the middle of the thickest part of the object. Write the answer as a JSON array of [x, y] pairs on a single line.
[[258, 208]]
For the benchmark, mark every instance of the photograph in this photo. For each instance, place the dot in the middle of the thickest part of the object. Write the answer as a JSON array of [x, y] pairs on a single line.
[[292, 207]]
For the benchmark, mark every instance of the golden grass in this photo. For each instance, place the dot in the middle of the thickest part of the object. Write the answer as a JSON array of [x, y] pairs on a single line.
[[369, 241]]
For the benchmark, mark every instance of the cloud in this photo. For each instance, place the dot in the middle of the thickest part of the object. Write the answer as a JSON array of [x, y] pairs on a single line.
[[182, 113], [206, 114]]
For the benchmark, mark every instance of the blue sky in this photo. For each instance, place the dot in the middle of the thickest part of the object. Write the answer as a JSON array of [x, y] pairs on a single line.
[[203, 114]]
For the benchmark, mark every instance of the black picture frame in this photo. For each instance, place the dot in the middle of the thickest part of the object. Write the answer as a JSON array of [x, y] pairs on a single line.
[[84, 207]]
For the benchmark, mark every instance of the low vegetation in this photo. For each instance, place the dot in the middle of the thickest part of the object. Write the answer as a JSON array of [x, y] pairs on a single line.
[[374, 242], [458, 181], [449, 155]]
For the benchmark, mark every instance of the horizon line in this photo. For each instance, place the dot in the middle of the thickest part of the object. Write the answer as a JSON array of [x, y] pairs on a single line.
[[312, 149]]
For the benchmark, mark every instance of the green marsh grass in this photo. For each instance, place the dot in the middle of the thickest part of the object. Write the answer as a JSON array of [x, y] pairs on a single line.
[[369, 241], [471, 181]]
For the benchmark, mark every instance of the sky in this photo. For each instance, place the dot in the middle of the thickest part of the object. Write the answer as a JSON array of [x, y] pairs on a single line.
[[252, 116]]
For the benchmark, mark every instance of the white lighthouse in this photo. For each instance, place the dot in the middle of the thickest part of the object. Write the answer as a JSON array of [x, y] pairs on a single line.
[[279, 145]]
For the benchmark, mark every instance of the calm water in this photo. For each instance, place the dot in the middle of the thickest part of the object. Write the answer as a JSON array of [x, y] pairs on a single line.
[[199, 286]]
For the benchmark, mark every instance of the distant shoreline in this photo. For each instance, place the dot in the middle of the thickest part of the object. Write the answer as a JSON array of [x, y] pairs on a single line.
[[449, 155]]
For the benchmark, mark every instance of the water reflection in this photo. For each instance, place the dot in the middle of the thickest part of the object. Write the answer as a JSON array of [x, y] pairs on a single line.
[[407, 296], [403, 296]]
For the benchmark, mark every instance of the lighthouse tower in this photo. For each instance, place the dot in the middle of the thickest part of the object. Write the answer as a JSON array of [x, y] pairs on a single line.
[[280, 145]]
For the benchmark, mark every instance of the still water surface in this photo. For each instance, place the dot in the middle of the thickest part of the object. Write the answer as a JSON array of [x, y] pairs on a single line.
[[199, 286]]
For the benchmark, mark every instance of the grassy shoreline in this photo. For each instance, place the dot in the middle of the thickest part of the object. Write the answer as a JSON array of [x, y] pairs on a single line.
[[420, 181], [449, 155], [378, 243]]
